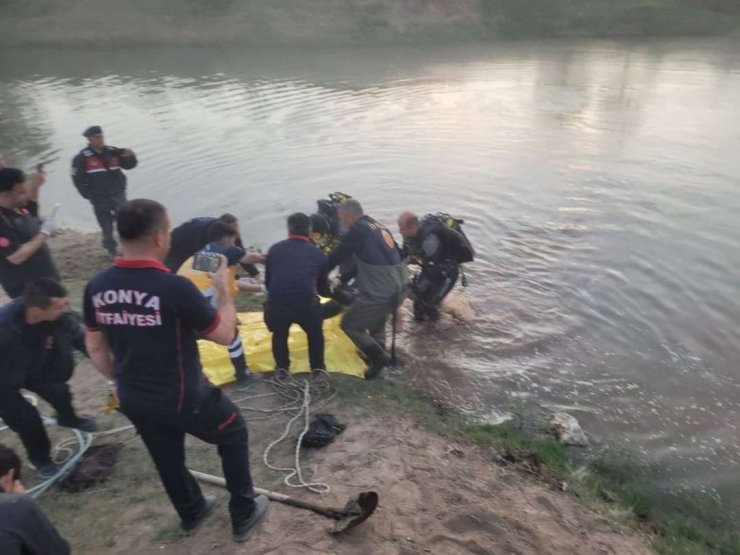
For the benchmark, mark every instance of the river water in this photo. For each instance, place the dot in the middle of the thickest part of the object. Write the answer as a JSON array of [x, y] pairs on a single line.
[[599, 181]]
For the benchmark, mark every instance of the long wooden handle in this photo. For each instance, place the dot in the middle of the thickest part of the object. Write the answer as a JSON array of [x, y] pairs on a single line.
[[275, 496]]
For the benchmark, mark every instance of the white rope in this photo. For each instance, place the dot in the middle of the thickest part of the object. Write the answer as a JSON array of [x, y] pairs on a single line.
[[295, 471]]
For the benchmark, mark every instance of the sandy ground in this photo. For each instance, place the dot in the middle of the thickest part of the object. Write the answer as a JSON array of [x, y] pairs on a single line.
[[433, 498], [437, 495]]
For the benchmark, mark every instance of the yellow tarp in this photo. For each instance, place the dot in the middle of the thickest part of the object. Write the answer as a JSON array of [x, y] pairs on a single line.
[[339, 351]]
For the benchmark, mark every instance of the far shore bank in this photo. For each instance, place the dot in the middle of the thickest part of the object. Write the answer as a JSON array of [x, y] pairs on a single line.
[[127, 23]]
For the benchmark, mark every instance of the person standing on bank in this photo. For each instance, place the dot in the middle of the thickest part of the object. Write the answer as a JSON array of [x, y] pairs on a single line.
[[295, 274], [381, 281], [24, 254], [97, 175], [37, 338], [143, 324]]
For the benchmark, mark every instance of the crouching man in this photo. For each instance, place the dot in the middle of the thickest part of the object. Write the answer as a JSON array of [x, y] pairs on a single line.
[[37, 338]]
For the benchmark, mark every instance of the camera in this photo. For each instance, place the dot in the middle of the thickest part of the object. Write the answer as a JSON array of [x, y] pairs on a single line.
[[206, 262]]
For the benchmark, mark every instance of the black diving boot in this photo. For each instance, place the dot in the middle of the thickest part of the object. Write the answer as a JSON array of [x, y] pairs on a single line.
[[379, 359]]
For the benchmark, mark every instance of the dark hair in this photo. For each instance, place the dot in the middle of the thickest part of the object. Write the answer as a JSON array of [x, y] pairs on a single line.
[[219, 230], [139, 218], [9, 178], [39, 292], [9, 460], [228, 218], [299, 224], [319, 224]]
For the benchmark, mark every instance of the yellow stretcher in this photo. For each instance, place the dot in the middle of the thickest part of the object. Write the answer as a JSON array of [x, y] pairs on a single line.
[[339, 352]]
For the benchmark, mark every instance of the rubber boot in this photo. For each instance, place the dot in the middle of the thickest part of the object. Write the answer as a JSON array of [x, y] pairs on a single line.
[[379, 359]]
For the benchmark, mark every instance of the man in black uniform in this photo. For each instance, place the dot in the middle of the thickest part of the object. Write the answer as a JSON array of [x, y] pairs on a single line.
[[193, 235], [97, 175], [439, 250], [24, 254], [24, 528], [381, 280], [295, 274], [37, 337], [143, 325]]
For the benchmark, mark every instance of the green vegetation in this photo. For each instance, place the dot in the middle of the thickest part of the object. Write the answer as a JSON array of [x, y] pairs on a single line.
[[562, 18], [681, 523], [325, 22]]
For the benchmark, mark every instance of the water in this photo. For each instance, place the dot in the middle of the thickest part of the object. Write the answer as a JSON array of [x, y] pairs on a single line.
[[600, 183]]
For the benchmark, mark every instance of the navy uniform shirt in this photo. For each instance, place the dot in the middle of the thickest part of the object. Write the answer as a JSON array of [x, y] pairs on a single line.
[[370, 242], [295, 272], [15, 229], [151, 320]]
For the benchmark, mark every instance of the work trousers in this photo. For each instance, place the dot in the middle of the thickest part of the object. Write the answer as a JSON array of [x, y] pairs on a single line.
[[364, 322], [23, 418], [106, 210], [310, 318], [216, 420], [431, 287]]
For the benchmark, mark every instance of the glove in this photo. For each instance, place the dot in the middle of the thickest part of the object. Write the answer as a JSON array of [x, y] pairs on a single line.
[[49, 227]]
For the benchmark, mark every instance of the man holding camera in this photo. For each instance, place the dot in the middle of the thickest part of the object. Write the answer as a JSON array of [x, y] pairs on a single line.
[[24, 254], [97, 175], [143, 324]]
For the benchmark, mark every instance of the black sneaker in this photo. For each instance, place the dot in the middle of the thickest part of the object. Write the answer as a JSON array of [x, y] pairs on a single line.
[[81, 423], [244, 530], [187, 530], [46, 470], [282, 375], [244, 377], [319, 374]]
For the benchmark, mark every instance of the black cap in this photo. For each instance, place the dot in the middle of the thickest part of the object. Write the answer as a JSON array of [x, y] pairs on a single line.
[[93, 130]]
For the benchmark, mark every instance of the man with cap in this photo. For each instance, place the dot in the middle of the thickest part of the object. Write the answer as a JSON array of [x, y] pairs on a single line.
[[97, 175]]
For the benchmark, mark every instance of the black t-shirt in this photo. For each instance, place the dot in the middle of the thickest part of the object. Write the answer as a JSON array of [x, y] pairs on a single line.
[[151, 320], [16, 229], [187, 239]]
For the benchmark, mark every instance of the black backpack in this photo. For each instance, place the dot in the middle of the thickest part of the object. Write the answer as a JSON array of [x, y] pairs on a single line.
[[464, 248]]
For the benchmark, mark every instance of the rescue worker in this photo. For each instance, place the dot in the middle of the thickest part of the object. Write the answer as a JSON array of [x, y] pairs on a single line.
[[24, 254], [37, 338], [97, 175], [24, 528], [381, 280], [143, 324], [326, 233], [437, 249], [222, 238], [295, 274]]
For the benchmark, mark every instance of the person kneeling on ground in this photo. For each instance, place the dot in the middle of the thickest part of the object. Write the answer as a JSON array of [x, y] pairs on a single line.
[[295, 274], [143, 324], [381, 280], [437, 248], [37, 338], [222, 239], [24, 528]]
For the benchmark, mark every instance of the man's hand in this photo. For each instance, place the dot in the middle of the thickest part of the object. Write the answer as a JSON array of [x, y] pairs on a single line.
[[221, 276], [126, 153], [49, 227], [37, 178], [255, 258]]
